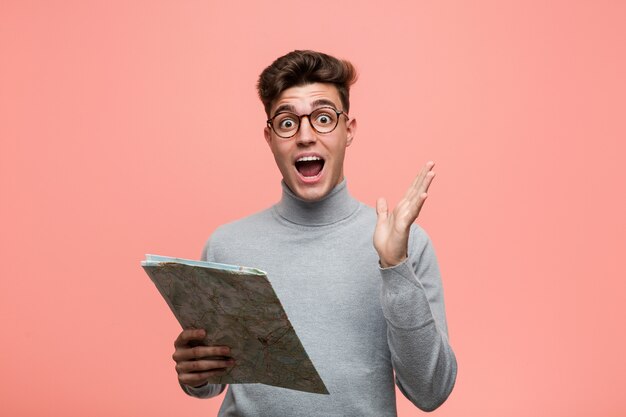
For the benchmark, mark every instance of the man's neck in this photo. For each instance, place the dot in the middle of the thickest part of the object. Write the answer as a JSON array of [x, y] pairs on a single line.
[[337, 205]]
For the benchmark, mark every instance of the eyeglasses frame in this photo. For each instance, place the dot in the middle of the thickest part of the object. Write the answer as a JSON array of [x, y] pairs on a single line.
[[308, 116]]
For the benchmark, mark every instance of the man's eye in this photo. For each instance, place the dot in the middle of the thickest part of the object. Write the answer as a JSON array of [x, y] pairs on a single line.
[[287, 124], [323, 119]]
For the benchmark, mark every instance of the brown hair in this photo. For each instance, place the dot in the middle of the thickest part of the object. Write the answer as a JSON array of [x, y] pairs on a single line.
[[305, 67]]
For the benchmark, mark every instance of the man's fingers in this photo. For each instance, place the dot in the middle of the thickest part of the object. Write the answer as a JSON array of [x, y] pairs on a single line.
[[189, 335], [428, 179], [381, 209], [203, 365], [196, 364], [199, 352], [197, 372], [200, 378], [422, 187], [425, 170], [417, 183]]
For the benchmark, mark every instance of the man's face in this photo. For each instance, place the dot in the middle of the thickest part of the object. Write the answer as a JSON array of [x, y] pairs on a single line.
[[311, 163]]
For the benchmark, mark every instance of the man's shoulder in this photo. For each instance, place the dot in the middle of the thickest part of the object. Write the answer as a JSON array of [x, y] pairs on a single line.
[[231, 237], [245, 225]]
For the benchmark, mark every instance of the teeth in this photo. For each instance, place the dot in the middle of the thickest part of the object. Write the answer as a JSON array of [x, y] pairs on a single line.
[[309, 158]]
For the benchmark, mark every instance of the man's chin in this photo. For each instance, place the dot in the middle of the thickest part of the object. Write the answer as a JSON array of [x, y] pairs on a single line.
[[310, 192], [309, 188]]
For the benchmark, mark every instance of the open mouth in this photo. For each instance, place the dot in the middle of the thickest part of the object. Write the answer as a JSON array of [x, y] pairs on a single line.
[[310, 166]]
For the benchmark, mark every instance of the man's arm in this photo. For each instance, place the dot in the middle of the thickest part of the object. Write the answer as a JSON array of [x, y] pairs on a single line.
[[412, 300]]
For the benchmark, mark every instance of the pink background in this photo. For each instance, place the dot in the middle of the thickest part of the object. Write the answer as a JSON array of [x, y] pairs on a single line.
[[134, 127]]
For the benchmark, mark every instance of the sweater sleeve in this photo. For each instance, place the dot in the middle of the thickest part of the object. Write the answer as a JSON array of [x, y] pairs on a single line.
[[208, 390], [205, 391], [417, 334]]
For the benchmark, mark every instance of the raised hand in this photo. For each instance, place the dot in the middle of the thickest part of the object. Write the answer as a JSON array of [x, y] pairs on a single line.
[[391, 237]]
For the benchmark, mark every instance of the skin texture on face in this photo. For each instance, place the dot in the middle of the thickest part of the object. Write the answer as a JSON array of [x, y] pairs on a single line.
[[330, 147]]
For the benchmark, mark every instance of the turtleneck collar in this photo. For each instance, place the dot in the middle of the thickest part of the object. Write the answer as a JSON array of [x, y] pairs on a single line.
[[336, 206]]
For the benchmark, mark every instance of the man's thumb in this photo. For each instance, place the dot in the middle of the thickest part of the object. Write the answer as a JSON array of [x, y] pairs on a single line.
[[381, 209]]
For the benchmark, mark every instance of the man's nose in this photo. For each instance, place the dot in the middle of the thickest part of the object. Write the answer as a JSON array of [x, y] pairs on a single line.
[[306, 133]]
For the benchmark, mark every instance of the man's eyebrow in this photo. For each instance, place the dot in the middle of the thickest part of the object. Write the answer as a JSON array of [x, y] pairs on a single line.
[[317, 103], [323, 102], [285, 107]]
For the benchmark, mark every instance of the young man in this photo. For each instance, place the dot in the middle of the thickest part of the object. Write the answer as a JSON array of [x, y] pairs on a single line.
[[362, 311]]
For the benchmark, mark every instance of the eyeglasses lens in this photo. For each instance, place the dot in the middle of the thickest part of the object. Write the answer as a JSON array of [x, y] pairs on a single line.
[[323, 120]]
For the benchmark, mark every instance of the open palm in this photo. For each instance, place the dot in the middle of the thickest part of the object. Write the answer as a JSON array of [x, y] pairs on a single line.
[[391, 237]]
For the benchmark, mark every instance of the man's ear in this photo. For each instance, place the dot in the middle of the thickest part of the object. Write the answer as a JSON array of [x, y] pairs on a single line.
[[351, 131], [267, 132]]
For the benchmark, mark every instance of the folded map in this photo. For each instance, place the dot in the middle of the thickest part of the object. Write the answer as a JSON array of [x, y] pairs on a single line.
[[237, 307]]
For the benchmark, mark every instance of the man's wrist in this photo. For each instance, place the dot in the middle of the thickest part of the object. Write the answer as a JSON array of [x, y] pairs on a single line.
[[392, 263]]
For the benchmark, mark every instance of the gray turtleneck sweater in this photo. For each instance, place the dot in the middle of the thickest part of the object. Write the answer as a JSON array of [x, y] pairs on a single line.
[[358, 322]]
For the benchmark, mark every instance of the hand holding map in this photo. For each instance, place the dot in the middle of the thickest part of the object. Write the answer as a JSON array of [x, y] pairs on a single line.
[[196, 364]]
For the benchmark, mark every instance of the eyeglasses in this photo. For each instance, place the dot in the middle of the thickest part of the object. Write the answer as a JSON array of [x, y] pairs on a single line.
[[322, 120]]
